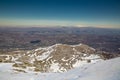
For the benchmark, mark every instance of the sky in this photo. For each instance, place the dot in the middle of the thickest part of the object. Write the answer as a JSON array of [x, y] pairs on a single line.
[[81, 13]]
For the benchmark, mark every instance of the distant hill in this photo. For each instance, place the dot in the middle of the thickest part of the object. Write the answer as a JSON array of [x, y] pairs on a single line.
[[68, 30]]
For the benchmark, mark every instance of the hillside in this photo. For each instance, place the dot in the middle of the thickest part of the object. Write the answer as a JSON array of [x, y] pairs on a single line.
[[105, 70]]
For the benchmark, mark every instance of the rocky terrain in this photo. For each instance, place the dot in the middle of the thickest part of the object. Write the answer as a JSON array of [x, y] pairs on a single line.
[[102, 70], [55, 58]]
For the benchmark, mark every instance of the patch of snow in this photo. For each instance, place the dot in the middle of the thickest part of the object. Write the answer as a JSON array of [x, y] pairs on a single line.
[[8, 57], [45, 54], [63, 59], [49, 58], [32, 60], [79, 63], [76, 45], [54, 67], [92, 56], [38, 49]]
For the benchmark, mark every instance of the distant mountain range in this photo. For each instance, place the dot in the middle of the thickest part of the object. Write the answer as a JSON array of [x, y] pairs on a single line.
[[68, 30]]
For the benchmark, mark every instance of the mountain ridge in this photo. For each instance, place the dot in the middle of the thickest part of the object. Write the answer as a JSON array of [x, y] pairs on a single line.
[[55, 58]]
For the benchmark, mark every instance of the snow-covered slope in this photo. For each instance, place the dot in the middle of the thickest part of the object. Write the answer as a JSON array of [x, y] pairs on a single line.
[[56, 58], [104, 70]]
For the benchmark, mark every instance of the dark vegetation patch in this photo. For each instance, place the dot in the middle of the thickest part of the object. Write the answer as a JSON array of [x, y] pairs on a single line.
[[35, 41]]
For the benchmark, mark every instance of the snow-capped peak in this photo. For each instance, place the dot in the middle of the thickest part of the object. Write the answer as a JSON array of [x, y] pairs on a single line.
[[55, 58]]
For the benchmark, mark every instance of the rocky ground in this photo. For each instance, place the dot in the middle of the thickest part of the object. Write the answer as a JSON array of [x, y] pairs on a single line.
[[55, 58]]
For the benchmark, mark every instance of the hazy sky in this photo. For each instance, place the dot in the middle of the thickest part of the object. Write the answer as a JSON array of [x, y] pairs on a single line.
[[104, 13]]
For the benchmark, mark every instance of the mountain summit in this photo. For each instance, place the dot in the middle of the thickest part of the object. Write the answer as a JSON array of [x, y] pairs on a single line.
[[56, 58]]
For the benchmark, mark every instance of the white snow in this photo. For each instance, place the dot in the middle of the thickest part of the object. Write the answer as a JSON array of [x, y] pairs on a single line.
[[54, 67], [5, 67], [76, 45], [104, 70], [79, 63], [63, 59], [44, 55], [92, 56]]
